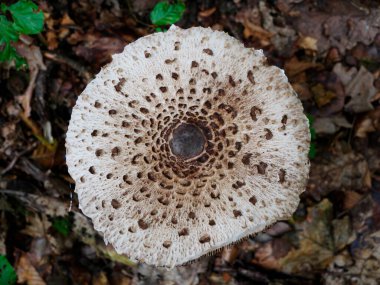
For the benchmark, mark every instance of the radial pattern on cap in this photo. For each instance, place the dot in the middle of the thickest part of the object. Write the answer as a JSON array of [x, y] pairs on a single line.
[[184, 143]]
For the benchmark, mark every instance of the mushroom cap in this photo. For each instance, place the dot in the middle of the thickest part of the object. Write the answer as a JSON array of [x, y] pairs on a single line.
[[127, 145]]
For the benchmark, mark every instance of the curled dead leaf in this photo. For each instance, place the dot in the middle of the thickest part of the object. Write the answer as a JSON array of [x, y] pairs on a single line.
[[295, 66], [207, 12], [368, 124]]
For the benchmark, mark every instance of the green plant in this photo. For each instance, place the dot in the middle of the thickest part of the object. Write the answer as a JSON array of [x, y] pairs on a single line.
[[7, 273], [62, 225], [26, 19], [313, 151], [165, 13]]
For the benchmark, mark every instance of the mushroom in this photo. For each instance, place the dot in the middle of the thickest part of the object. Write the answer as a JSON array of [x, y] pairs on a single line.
[[185, 143]]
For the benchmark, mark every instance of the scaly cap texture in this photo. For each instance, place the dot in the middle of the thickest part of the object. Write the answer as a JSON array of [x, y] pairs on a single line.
[[184, 143]]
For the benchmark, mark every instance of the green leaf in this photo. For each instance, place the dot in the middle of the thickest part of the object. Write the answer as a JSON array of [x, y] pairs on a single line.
[[7, 32], [62, 225], [311, 119], [312, 151], [7, 273], [313, 135], [166, 14], [9, 54], [27, 19]]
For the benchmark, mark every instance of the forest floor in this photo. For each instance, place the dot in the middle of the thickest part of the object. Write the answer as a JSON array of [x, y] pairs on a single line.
[[330, 51]]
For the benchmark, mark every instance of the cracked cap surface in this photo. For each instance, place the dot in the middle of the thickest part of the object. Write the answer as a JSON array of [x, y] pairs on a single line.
[[249, 161]]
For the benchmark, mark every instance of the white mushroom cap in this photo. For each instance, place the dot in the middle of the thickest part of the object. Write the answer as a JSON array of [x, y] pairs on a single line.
[[184, 143]]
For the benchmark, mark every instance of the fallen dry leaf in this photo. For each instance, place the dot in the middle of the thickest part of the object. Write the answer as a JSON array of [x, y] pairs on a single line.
[[319, 238], [207, 13], [340, 171], [34, 58], [282, 35], [294, 66], [351, 198], [330, 125], [100, 279], [308, 43], [36, 226], [316, 245], [361, 90], [182, 275], [27, 273], [230, 253], [322, 96], [44, 156], [98, 48], [342, 30], [303, 91], [255, 31], [251, 21], [368, 124], [52, 40], [365, 265], [66, 20], [342, 233], [269, 254]]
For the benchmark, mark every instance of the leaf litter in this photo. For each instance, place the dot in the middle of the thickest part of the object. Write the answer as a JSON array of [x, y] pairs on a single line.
[[330, 52]]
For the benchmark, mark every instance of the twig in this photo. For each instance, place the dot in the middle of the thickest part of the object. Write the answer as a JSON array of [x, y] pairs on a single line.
[[37, 133], [14, 160], [70, 62]]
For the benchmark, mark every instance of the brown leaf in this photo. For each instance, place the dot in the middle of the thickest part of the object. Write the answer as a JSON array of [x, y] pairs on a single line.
[[52, 41], [330, 125], [120, 279], [368, 124], [351, 198], [230, 253], [342, 233], [251, 21], [27, 273], [316, 246], [66, 20], [264, 256], [36, 226], [361, 90], [294, 66], [338, 172], [302, 89], [322, 96], [308, 43], [34, 58], [207, 13], [98, 48], [282, 35], [364, 266], [339, 23], [44, 156], [100, 279]]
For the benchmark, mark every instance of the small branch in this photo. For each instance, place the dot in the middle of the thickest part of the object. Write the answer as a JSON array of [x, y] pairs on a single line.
[[14, 160], [70, 62]]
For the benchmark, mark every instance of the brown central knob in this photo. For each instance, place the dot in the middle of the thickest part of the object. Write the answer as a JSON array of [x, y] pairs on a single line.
[[187, 141]]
